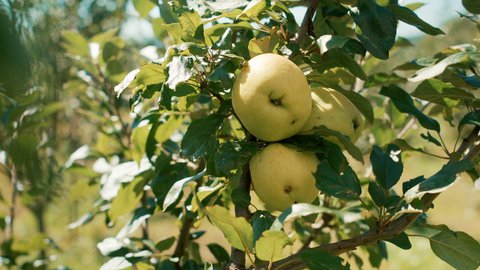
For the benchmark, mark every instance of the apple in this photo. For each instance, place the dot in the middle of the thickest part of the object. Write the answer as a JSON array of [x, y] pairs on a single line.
[[271, 97], [333, 110], [282, 175]]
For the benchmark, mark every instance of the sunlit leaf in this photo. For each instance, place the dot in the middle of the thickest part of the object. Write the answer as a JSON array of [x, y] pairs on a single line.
[[237, 230], [269, 247]]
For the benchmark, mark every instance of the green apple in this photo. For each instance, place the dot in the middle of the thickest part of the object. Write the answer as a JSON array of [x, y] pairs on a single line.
[[271, 97], [333, 110], [282, 175]]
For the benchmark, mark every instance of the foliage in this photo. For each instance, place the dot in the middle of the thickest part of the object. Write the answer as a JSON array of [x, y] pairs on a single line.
[[167, 140]]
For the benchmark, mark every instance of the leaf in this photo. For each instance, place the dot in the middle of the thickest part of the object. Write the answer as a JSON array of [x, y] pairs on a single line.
[[262, 45], [240, 197], [320, 260], [218, 252], [177, 188], [253, 9], [472, 6], [192, 27], [116, 263], [401, 241], [323, 131], [335, 57], [438, 68], [261, 221], [404, 103], [348, 45], [362, 104], [127, 198], [237, 230], [440, 181], [143, 6], [407, 16], [407, 185], [458, 249], [377, 193], [139, 139], [343, 185], [387, 166], [200, 138], [165, 244], [81, 153], [231, 156], [226, 5], [376, 28], [269, 247], [180, 69], [442, 93], [429, 137], [471, 118], [74, 43]]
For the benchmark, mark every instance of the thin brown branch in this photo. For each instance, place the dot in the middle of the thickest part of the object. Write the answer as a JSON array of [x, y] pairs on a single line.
[[13, 199], [237, 257], [183, 238], [307, 21], [469, 149]]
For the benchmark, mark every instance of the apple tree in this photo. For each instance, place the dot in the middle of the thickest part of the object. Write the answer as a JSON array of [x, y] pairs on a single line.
[[189, 152]]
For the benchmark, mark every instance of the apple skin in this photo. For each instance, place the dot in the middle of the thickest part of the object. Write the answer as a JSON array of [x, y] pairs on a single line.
[[282, 175], [271, 97], [333, 110]]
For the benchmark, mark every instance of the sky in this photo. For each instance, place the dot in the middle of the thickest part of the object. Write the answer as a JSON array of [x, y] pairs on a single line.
[[435, 12]]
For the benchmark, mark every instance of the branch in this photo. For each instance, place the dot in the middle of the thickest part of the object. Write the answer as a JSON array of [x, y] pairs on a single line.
[[183, 238], [237, 257], [469, 149], [307, 22]]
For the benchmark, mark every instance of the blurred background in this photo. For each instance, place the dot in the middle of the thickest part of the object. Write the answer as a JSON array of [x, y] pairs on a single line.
[[37, 38]]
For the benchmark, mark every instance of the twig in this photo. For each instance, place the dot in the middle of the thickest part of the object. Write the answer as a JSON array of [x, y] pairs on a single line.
[[469, 149], [237, 258], [307, 21], [13, 198], [183, 238]]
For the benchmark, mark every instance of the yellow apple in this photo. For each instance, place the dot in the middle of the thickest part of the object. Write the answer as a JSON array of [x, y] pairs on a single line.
[[271, 97], [333, 110], [282, 175]]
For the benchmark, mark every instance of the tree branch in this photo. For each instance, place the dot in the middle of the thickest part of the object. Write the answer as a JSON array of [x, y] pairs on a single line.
[[237, 257], [469, 149], [183, 238], [307, 21]]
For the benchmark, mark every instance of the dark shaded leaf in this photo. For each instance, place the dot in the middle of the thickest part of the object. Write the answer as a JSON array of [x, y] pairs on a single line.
[[165, 243], [218, 252], [231, 156], [406, 186], [471, 118], [335, 57], [472, 6], [319, 260], [323, 131], [344, 185], [407, 15], [442, 93], [200, 138], [261, 221], [387, 166], [458, 249], [377, 27], [404, 103], [377, 193], [401, 241]]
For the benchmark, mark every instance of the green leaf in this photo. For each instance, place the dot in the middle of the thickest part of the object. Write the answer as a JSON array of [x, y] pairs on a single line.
[[442, 93], [376, 28], [440, 181], [429, 137], [343, 185], [335, 57], [407, 185], [269, 247], [401, 241], [143, 6], [218, 252], [165, 244], [192, 27], [348, 45], [458, 249], [237, 230], [472, 6], [262, 45], [253, 9], [75, 44], [323, 131], [377, 193], [439, 68], [139, 139], [261, 221], [404, 103], [387, 166], [300, 210], [200, 138], [175, 191], [319, 260], [471, 118], [405, 146], [231, 156], [166, 12], [240, 197], [127, 198], [407, 16], [149, 74], [362, 104], [180, 69]]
